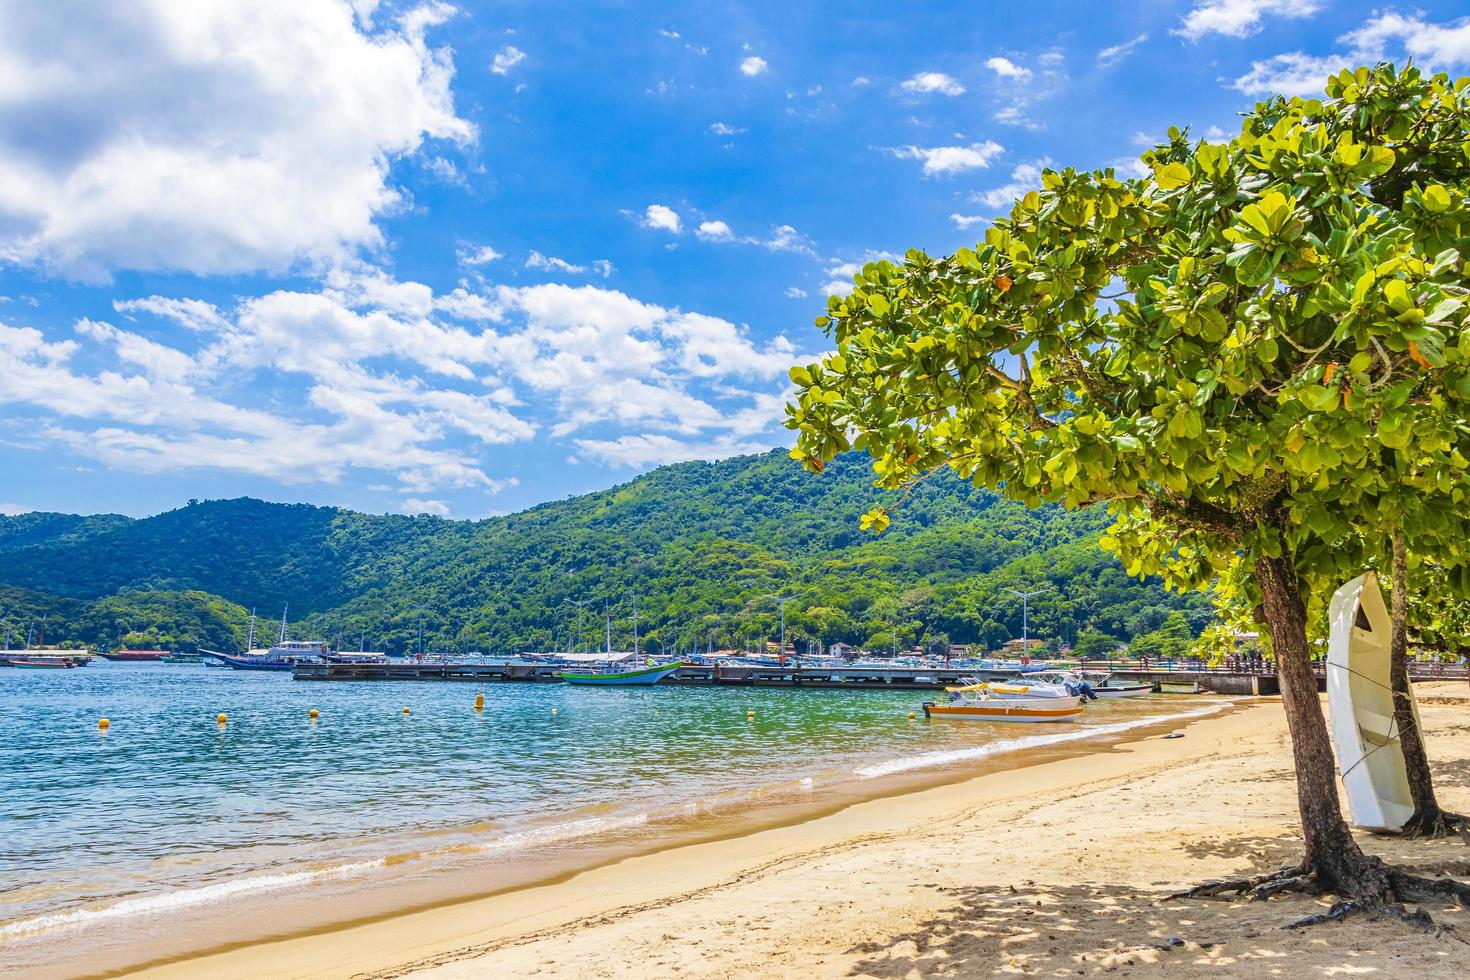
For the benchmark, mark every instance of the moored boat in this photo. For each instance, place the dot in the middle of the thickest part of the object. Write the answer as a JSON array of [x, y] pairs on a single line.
[[41, 663], [134, 656], [617, 675], [183, 658], [1012, 710]]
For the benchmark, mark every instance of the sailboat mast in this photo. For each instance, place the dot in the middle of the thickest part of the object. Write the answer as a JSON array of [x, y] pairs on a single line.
[[635, 626], [250, 637], [607, 625], [283, 622]]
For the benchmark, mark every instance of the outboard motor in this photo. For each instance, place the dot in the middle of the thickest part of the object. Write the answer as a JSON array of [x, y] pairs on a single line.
[[1085, 688]]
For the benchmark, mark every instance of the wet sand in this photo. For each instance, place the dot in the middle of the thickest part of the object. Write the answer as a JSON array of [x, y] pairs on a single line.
[[1055, 868]]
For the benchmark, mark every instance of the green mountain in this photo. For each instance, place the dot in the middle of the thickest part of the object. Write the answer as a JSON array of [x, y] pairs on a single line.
[[699, 543]]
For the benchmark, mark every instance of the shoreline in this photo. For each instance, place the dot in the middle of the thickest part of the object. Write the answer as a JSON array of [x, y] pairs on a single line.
[[328, 951], [497, 932]]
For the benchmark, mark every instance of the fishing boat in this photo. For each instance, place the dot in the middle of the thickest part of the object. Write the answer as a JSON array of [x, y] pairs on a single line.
[[985, 706], [616, 675], [1360, 701], [135, 656], [183, 658], [41, 663], [1106, 685]]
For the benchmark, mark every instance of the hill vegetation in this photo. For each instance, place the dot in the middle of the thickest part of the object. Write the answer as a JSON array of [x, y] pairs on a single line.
[[700, 544]]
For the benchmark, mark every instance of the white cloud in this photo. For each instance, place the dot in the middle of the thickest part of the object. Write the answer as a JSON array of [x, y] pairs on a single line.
[[1288, 74], [1110, 56], [662, 217], [1439, 45], [842, 272], [725, 129], [967, 220], [933, 81], [951, 159], [753, 66], [1006, 68], [639, 451], [415, 506], [795, 292], [476, 255], [191, 313], [550, 263], [210, 137], [1240, 18], [1024, 177], [14, 510], [862, 80], [714, 231], [506, 59]]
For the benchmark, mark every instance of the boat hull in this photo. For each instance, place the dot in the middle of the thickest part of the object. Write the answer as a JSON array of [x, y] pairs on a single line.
[[1360, 702], [1001, 710], [1124, 691], [643, 677], [245, 663], [42, 665]]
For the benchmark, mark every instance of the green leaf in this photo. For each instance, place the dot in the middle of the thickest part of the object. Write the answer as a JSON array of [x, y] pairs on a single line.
[[1171, 175], [878, 304]]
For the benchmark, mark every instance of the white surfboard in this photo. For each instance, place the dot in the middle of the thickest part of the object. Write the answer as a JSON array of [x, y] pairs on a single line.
[[1360, 699]]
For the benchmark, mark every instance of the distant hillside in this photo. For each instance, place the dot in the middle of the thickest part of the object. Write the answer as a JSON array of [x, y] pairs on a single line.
[[699, 543]]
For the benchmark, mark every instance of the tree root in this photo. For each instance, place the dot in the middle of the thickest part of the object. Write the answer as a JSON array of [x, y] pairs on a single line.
[[1438, 824], [1382, 894]]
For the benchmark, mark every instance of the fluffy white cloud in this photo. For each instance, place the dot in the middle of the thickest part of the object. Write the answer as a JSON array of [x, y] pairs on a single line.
[[212, 136], [725, 129], [1240, 18], [662, 217], [841, 273], [1387, 36], [415, 506], [967, 220], [506, 59], [1110, 56], [714, 231], [1006, 68], [951, 159], [753, 66], [933, 81], [1438, 45], [795, 292], [1024, 177], [1288, 74], [368, 374], [639, 451], [476, 255]]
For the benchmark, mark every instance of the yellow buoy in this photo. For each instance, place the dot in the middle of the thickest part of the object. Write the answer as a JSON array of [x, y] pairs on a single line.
[[313, 712], [750, 714], [479, 702], [911, 716], [405, 711], [221, 718], [103, 724], [553, 711]]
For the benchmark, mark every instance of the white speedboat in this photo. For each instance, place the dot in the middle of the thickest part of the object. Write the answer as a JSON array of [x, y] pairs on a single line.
[[1360, 699]]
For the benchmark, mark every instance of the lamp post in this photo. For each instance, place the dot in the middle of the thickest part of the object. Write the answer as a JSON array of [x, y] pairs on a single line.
[[781, 602], [1025, 617]]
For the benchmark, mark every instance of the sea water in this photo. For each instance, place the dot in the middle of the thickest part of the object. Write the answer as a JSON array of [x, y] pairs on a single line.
[[168, 824]]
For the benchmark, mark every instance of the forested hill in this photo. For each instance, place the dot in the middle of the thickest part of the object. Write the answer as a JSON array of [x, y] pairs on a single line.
[[699, 543]]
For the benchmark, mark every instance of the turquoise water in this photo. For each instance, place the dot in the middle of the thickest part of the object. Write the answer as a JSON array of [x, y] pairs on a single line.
[[168, 814]]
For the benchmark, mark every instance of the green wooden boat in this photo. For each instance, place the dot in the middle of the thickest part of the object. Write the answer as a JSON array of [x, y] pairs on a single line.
[[614, 677]]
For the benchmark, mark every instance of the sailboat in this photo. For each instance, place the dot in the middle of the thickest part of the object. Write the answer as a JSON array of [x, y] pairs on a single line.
[[1360, 698], [619, 670], [282, 656]]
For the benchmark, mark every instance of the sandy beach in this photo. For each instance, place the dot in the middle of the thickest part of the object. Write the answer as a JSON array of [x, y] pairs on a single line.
[[1059, 868]]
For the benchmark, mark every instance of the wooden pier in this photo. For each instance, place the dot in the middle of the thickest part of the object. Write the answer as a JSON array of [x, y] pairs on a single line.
[[1251, 680]]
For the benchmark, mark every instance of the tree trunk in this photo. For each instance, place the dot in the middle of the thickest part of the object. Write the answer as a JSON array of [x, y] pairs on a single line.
[[1428, 818], [1331, 852]]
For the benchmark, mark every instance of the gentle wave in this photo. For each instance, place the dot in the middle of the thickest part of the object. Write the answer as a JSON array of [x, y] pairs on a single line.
[[172, 901], [930, 759], [185, 898]]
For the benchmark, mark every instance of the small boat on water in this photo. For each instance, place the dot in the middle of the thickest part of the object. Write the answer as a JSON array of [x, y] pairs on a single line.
[[41, 663], [620, 674], [183, 658], [1360, 702], [982, 705], [1105, 685], [44, 659], [135, 656]]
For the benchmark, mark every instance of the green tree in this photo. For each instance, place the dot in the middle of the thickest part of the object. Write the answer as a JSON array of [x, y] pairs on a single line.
[[1220, 352]]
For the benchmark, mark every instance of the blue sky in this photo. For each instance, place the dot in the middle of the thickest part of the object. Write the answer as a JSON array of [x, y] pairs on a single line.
[[414, 257]]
